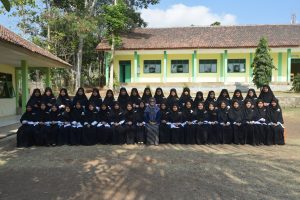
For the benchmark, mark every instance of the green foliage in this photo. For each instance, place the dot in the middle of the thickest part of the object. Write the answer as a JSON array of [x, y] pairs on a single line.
[[116, 82], [262, 64], [216, 24], [6, 5], [296, 83]]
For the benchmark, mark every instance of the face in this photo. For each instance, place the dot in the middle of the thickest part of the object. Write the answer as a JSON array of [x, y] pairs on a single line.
[[273, 103], [163, 106], [103, 107], [37, 93], [188, 104], [123, 92], [174, 108], [80, 92], [265, 89], [152, 103], [251, 93], [199, 96], [142, 105], [29, 108], [236, 105], [95, 93], [186, 92], [78, 105], [109, 94], [129, 107], [211, 107], [260, 104], [53, 109], [134, 93], [173, 93], [158, 92], [117, 106], [147, 92], [62, 93], [248, 104], [91, 107], [212, 95], [238, 94], [223, 105], [43, 106], [200, 106], [67, 109], [48, 92], [224, 94]]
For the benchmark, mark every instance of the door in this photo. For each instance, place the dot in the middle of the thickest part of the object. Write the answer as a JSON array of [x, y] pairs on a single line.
[[125, 71]]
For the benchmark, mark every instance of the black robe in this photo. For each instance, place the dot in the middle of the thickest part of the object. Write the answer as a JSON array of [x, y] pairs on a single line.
[[96, 100], [119, 137], [183, 99], [25, 132], [266, 96], [77, 116], [82, 99], [171, 100], [53, 134], [177, 134], [164, 131], [65, 129], [130, 126], [42, 130], [213, 135], [225, 130], [140, 125], [275, 116], [123, 100], [104, 132], [201, 134], [62, 101], [189, 128], [35, 102], [89, 134], [262, 129], [249, 129], [236, 116], [48, 100]]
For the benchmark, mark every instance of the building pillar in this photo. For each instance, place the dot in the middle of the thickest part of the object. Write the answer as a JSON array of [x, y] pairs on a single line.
[[25, 95], [250, 68], [165, 66], [224, 61], [106, 63], [17, 79], [48, 77], [279, 67], [289, 59], [136, 63], [194, 65]]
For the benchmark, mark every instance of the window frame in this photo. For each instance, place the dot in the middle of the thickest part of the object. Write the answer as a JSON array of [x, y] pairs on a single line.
[[237, 61], [155, 64], [181, 60], [211, 60]]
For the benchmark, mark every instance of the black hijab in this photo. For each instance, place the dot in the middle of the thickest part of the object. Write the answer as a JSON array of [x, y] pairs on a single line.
[[275, 112], [248, 113], [224, 98], [209, 99], [81, 98], [96, 100], [200, 115], [199, 98], [109, 101], [184, 98], [240, 98], [48, 99], [266, 96], [123, 98], [63, 100], [171, 100], [260, 112], [235, 114], [116, 115], [35, 100], [175, 116], [134, 99], [159, 98], [223, 112], [104, 113], [188, 113], [91, 115], [146, 97]]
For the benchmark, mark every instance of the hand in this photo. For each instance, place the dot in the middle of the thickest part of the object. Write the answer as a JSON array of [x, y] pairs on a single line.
[[129, 123]]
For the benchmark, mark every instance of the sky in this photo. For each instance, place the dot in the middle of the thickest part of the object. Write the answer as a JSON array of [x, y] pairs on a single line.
[[172, 13]]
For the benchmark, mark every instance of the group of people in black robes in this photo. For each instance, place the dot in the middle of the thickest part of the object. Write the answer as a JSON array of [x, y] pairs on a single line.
[[151, 119]]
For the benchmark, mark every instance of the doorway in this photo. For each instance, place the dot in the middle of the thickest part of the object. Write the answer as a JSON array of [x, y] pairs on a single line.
[[125, 71], [295, 68]]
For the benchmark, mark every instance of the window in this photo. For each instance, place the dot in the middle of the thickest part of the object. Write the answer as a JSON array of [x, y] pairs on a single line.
[[180, 66], [208, 66], [152, 66], [236, 65], [6, 86]]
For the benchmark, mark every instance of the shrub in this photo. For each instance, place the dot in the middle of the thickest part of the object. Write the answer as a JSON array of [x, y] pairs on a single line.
[[296, 83]]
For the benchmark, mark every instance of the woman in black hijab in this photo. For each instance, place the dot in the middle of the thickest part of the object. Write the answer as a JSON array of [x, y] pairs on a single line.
[[25, 132], [65, 128], [235, 115], [238, 96], [95, 98], [147, 95], [109, 99], [211, 98], [175, 119], [104, 130], [81, 97], [77, 116], [35, 99], [266, 94], [224, 97], [63, 99], [54, 116], [89, 134], [251, 95], [117, 119], [225, 130], [261, 127], [212, 116], [276, 122], [134, 98], [42, 129], [129, 124], [172, 98], [123, 98], [201, 118], [185, 96], [189, 127], [164, 132], [140, 123], [248, 123], [199, 98], [159, 96], [48, 98]]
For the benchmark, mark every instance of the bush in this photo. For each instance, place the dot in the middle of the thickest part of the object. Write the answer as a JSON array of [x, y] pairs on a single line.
[[296, 83]]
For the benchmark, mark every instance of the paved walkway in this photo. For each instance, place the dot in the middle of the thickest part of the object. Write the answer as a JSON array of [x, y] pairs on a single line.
[[9, 125]]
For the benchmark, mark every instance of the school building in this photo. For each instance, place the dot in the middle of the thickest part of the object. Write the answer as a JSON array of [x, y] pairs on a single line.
[[17, 56], [215, 54]]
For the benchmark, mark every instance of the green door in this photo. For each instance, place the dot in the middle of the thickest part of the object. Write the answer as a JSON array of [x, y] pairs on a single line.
[[125, 72]]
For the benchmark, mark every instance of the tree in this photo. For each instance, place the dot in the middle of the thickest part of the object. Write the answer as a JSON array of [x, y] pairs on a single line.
[[216, 24], [6, 5], [296, 83], [262, 64]]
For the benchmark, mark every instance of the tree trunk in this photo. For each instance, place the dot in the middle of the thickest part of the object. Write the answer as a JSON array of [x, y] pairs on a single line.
[[111, 68], [79, 62]]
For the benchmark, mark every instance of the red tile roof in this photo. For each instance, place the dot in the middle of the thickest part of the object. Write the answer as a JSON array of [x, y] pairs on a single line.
[[246, 36], [8, 36]]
